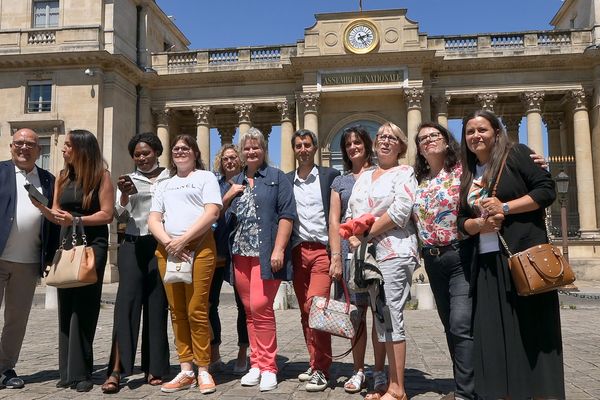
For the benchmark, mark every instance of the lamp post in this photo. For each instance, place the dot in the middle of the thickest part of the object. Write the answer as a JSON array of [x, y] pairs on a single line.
[[562, 188]]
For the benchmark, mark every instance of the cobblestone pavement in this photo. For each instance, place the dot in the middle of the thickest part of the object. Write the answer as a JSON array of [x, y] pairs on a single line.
[[428, 367]]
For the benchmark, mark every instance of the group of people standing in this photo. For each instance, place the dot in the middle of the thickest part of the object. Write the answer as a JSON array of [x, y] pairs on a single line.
[[256, 226]]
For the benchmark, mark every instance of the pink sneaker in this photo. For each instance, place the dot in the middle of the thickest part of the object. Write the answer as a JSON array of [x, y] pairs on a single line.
[[184, 380]]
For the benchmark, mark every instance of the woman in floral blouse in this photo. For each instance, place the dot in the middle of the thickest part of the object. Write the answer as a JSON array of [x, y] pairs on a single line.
[[435, 210], [388, 193]]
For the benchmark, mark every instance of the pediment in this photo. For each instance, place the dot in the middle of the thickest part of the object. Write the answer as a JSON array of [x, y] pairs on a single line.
[[330, 33]]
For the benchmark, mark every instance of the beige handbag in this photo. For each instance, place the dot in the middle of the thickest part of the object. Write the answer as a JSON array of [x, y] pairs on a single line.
[[74, 267]]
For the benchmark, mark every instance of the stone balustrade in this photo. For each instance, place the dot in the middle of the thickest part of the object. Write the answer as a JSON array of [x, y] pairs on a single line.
[[234, 58], [80, 38], [530, 42]]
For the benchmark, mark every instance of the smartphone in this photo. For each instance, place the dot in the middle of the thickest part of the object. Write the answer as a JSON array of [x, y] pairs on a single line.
[[33, 192], [127, 178]]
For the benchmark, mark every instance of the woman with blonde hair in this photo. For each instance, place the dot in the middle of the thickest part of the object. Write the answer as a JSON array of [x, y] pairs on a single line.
[[84, 196], [264, 212], [227, 164], [388, 193], [183, 209]]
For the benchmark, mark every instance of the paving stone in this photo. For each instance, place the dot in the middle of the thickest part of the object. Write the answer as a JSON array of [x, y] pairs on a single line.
[[428, 367]]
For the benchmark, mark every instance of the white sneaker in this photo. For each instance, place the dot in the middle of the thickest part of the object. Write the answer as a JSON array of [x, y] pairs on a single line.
[[268, 381], [252, 378]]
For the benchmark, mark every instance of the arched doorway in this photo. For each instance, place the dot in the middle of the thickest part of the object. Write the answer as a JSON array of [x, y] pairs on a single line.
[[335, 155]]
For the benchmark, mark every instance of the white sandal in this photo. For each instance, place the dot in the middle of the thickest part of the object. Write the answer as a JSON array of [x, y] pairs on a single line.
[[355, 383]]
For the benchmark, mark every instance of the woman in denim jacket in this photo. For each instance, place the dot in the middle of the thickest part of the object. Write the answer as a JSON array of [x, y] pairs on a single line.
[[264, 212]]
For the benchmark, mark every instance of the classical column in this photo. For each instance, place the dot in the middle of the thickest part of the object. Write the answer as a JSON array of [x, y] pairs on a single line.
[[512, 123], [244, 112], [441, 108], [226, 133], [265, 129], [311, 102], [286, 110], [533, 109], [202, 114], [163, 119], [586, 203], [487, 101], [595, 117], [552, 122], [412, 97]]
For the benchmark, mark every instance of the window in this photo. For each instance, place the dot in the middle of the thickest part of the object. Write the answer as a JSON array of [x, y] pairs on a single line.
[[45, 13], [44, 160], [39, 96]]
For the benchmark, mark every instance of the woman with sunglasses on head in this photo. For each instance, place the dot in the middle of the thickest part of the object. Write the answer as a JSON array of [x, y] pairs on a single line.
[[84, 196], [228, 164], [388, 193], [184, 207], [438, 171], [357, 153], [141, 292]]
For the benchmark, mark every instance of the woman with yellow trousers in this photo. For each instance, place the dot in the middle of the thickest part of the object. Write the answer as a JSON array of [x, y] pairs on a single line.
[[183, 209]]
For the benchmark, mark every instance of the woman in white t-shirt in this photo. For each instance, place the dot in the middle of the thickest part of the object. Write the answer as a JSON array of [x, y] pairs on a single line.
[[183, 209]]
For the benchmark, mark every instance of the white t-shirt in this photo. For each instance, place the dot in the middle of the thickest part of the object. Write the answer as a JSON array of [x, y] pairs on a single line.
[[182, 200], [24, 241], [488, 242]]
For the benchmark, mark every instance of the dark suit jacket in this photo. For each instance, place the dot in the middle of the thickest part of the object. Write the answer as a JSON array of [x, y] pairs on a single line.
[[8, 201], [326, 177]]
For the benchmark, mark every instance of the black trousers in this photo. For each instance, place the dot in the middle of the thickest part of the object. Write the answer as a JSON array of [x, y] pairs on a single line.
[[78, 311], [213, 313], [141, 295], [450, 287]]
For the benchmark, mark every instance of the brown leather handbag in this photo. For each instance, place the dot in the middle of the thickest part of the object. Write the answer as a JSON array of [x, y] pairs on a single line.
[[74, 267], [540, 268]]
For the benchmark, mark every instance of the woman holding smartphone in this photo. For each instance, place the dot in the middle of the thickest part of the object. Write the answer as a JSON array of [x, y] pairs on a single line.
[[141, 291]]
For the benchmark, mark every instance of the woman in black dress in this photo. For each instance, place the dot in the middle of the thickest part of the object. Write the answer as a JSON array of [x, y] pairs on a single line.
[[517, 340], [84, 195]]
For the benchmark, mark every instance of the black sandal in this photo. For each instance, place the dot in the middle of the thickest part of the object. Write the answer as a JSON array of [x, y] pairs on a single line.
[[112, 384]]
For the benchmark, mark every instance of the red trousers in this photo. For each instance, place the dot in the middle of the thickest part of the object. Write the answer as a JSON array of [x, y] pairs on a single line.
[[311, 278], [257, 295]]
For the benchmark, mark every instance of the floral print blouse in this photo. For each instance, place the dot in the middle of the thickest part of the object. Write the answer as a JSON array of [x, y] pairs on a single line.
[[436, 207], [393, 192], [246, 235]]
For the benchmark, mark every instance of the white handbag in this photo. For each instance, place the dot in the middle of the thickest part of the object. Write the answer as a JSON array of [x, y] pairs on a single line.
[[178, 270]]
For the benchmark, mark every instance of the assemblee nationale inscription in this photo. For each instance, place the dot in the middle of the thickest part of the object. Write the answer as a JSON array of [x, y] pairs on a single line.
[[353, 78]]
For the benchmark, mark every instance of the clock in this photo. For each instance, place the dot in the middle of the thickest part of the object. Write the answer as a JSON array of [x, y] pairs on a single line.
[[361, 36]]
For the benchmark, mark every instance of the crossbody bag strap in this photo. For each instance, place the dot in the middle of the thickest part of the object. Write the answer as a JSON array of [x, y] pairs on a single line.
[[494, 190]]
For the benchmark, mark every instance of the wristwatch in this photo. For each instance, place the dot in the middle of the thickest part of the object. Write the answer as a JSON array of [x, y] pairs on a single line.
[[505, 208]]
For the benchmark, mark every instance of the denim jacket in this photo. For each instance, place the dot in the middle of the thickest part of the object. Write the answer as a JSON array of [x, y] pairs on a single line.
[[274, 198]]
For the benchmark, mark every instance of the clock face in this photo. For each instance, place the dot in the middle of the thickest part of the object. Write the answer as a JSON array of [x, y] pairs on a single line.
[[361, 37]]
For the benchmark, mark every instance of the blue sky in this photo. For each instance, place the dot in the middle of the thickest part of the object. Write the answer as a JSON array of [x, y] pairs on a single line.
[[233, 23]]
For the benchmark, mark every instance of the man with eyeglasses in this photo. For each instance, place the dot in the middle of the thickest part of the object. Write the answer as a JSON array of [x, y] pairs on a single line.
[[26, 243]]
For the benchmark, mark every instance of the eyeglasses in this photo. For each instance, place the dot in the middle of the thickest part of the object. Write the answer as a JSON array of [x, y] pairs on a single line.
[[228, 159], [24, 145], [388, 138], [432, 137], [180, 149]]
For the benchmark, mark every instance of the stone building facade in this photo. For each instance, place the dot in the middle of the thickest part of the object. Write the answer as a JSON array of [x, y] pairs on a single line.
[[117, 67]]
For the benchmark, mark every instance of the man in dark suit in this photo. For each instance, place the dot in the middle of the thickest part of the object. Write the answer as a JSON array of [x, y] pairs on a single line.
[[312, 275], [26, 243]]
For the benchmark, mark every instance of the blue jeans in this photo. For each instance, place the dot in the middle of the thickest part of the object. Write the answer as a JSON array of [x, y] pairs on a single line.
[[450, 286]]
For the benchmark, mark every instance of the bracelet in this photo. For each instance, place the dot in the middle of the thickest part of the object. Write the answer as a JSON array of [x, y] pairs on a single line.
[[77, 221], [336, 254]]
